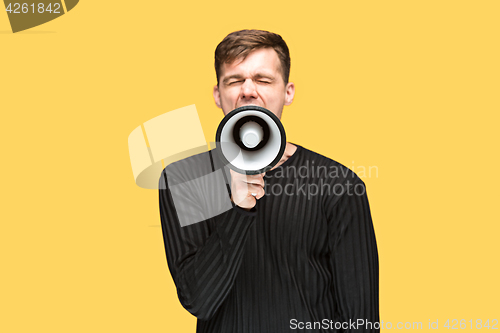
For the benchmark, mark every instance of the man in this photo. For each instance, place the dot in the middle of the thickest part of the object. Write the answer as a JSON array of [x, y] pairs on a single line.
[[296, 249]]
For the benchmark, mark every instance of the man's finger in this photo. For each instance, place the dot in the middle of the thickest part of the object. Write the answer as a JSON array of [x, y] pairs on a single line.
[[256, 179]]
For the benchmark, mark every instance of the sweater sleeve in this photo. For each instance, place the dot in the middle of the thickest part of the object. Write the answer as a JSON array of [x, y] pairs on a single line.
[[354, 261], [203, 257]]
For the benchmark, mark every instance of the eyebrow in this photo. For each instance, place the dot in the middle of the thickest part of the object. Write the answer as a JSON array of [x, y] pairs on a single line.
[[264, 76], [239, 76]]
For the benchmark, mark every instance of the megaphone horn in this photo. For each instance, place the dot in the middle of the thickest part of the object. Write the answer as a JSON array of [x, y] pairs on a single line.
[[250, 140]]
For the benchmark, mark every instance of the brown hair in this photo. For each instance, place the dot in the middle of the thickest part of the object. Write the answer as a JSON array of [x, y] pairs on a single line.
[[239, 44]]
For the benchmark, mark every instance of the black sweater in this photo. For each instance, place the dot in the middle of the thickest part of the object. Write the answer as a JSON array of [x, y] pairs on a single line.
[[303, 259]]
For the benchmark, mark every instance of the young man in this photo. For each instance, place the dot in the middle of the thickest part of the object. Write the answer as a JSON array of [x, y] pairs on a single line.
[[297, 249]]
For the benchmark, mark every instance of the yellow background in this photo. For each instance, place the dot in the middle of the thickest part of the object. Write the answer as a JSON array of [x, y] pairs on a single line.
[[411, 87]]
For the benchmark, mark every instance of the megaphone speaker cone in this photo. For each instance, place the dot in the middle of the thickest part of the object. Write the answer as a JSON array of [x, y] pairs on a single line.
[[250, 140]]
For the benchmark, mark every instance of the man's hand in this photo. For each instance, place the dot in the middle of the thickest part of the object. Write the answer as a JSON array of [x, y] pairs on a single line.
[[246, 189]]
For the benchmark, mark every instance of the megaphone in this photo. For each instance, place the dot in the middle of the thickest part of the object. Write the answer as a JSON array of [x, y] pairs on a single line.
[[250, 140]]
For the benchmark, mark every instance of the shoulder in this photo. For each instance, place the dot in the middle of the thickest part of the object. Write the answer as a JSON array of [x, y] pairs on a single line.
[[188, 168], [336, 182], [326, 167]]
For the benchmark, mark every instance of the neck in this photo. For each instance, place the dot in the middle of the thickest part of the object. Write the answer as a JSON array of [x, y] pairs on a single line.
[[289, 151]]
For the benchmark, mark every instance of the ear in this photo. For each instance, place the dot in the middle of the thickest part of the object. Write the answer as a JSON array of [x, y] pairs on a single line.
[[217, 96], [289, 93]]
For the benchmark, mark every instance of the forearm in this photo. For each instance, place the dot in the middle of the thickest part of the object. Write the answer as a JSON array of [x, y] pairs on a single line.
[[204, 257], [354, 263]]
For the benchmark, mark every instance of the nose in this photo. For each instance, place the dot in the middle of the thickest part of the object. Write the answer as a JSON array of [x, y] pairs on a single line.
[[248, 90]]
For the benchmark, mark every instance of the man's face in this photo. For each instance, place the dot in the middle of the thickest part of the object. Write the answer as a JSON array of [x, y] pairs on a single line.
[[257, 80]]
